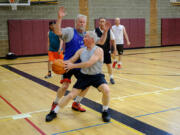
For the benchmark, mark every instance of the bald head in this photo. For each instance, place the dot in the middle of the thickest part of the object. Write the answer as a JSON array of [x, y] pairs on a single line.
[[117, 21]]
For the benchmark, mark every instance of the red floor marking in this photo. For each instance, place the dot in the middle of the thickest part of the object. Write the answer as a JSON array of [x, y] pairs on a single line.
[[30, 122]]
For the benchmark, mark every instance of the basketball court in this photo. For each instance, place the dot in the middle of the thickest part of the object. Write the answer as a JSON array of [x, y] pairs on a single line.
[[145, 99]]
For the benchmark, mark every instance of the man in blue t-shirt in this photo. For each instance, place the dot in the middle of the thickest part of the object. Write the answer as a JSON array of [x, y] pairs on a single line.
[[73, 38]]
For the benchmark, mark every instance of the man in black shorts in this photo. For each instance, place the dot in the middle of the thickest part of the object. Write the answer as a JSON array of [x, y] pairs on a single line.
[[106, 46], [90, 75]]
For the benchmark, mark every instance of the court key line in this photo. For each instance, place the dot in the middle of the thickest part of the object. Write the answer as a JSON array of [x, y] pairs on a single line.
[[30, 122], [141, 83], [144, 93]]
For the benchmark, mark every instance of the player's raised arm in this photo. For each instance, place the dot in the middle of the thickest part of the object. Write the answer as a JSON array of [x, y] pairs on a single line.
[[61, 14], [102, 40]]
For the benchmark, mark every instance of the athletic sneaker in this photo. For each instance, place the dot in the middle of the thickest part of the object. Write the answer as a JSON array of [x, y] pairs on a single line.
[[52, 115], [48, 76], [106, 116], [119, 66], [114, 64], [77, 107], [112, 81]]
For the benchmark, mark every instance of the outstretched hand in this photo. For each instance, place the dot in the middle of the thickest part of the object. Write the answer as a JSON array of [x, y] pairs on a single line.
[[107, 26], [61, 12]]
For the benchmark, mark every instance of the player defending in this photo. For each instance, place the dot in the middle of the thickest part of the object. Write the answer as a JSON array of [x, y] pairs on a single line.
[[90, 75], [73, 38]]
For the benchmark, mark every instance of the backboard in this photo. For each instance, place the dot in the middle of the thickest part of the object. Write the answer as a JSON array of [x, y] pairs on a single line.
[[15, 3]]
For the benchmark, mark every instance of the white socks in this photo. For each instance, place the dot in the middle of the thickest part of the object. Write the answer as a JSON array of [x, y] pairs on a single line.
[[56, 100], [78, 99], [114, 60], [56, 109], [105, 108], [119, 62], [111, 76]]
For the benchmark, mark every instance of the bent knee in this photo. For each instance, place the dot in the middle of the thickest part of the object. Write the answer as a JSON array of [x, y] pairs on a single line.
[[71, 96], [105, 89], [64, 87]]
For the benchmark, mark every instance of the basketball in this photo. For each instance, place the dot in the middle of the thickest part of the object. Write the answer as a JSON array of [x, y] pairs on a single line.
[[58, 66]]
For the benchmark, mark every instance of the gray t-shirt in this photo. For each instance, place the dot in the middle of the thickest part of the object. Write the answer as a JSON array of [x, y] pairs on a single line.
[[68, 33], [96, 68]]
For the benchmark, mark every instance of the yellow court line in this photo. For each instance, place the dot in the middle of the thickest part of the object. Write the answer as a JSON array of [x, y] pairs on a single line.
[[121, 124]]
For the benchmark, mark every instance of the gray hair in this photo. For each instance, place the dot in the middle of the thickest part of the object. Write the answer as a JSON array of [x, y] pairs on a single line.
[[81, 16], [93, 35]]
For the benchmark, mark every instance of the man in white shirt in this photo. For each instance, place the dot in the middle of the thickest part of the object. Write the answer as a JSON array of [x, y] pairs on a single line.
[[119, 33]]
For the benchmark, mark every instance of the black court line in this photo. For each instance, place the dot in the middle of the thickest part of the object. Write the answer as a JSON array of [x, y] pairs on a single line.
[[26, 63], [118, 116], [123, 54]]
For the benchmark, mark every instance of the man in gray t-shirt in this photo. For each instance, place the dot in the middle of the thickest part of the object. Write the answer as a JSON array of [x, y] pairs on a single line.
[[73, 38], [90, 75]]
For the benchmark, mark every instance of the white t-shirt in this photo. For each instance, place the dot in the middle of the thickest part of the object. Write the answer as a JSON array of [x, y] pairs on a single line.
[[118, 33]]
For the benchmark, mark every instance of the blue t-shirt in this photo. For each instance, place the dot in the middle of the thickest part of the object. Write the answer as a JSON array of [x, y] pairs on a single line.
[[54, 42], [73, 45]]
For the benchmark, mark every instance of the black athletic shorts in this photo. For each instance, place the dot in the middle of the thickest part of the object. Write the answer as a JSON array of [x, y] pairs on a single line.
[[84, 81], [120, 48], [66, 77], [107, 57]]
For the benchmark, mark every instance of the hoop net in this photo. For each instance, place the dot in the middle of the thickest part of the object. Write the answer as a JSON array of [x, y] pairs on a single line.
[[14, 4]]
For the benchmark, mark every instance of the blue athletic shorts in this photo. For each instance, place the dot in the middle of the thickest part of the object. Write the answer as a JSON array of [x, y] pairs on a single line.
[[85, 81]]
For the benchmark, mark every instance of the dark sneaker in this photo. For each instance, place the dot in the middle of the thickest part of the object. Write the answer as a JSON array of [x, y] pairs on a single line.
[[48, 76], [106, 116], [112, 81], [77, 107], [52, 115]]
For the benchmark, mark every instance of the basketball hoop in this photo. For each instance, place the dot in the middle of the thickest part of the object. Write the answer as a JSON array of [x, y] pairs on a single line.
[[14, 4]]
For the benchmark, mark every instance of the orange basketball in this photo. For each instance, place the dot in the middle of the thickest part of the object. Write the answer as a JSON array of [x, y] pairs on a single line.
[[58, 66]]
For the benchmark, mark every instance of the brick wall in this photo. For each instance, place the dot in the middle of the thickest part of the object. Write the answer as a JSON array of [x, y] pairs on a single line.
[[97, 8]]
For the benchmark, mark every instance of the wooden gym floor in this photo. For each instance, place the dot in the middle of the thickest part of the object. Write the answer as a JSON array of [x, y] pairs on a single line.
[[144, 100]]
